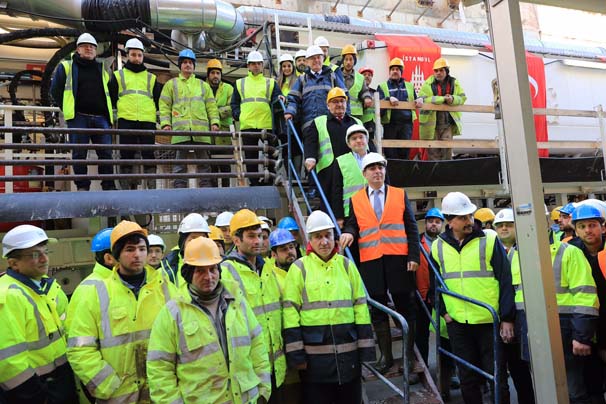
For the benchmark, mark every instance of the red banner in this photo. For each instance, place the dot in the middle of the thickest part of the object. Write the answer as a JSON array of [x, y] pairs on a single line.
[[418, 54], [538, 95]]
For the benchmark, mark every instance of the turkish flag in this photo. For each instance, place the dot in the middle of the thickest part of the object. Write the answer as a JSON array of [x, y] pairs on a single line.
[[418, 54], [538, 95]]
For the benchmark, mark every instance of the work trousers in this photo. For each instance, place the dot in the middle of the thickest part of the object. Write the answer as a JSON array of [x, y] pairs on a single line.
[[130, 154], [474, 344], [442, 133], [200, 168], [91, 122], [397, 131], [519, 370], [333, 393]]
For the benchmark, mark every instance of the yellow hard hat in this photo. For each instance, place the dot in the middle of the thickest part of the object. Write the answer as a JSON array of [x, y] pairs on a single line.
[[396, 62], [349, 50], [555, 213], [242, 219], [216, 234], [484, 215], [336, 92], [440, 63], [201, 252], [214, 64], [125, 228]]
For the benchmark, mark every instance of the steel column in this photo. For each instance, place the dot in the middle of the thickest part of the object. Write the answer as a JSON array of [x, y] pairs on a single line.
[[526, 188]]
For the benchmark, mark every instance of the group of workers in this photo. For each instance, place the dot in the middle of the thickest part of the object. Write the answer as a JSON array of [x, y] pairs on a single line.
[[322, 100]]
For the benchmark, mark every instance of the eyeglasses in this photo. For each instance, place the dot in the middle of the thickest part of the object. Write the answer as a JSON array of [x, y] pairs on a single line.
[[35, 255]]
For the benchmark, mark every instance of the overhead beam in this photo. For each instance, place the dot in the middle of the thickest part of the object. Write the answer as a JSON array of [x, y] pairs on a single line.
[[595, 6]]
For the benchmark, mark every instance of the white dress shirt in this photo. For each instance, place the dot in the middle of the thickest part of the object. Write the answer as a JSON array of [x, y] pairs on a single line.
[[371, 197]]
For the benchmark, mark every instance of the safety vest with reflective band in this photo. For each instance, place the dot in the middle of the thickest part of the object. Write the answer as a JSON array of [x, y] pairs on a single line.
[[263, 295], [109, 334], [188, 104], [427, 119], [410, 92], [576, 291], [135, 95], [223, 98], [381, 237], [353, 180], [32, 341], [470, 274], [355, 105], [69, 101], [186, 363], [255, 105], [325, 153], [516, 277], [326, 319]]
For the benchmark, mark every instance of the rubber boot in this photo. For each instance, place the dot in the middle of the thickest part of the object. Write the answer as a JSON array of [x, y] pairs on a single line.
[[384, 340]]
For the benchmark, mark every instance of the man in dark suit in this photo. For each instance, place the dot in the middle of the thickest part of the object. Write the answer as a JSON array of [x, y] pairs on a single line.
[[382, 220]]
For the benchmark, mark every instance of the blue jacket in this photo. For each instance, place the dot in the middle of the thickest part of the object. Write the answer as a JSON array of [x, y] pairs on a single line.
[[307, 96]]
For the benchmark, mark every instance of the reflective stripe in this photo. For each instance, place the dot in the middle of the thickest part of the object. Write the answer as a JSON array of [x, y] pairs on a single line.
[[583, 289], [294, 346], [99, 378], [467, 274], [45, 369], [141, 92], [331, 349], [267, 99], [327, 304], [483, 257], [366, 244], [13, 350], [77, 342], [161, 356], [179, 401], [240, 341], [267, 308], [18, 380], [394, 240], [250, 394], [125, 398], [360, 300], [124, 339], [43, 339], [578, 310], [103, 305], [557, 268], [518, 288], [165, 98], [278, 354], [393, 226], [520, 306], [320, 87], [234, 273], [482, 273], [368, 231], [352, 189], [366, 343], [290, 303], [256, 331], [192, 121]]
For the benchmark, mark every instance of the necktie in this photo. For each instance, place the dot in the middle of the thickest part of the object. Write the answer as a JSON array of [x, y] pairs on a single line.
[[378, 207]]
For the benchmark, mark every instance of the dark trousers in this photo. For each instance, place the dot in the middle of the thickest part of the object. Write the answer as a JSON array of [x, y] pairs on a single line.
[[474, 344], [179, 168], [519, 370], [254, 168], [333, 393], [397, 131], [130, 154], [422, 331], [91, 121]]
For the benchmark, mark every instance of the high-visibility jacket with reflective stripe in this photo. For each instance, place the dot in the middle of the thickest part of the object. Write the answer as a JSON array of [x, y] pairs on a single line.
[[57, 295], [171, 265], [355, 105], [326, 319], [185, 361], [223, 98], [516, 277], [135, 95], [69, 101], [325, 153], [470, 274], [386, 118], [353, 180], [99, 272], [263, 295], [255, 105], [188, 104], [381, 237], [109, 334], [427, 119], [32, 341]]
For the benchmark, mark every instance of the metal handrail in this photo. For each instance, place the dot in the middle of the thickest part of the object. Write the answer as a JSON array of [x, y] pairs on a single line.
[[443, 289], [404, 393]]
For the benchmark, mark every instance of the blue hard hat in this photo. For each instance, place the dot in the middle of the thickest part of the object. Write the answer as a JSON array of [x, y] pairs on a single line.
[[280, 237], [187, 54], [584, 212], [434, 212], [567, 209], [288, 223], [101, 241]]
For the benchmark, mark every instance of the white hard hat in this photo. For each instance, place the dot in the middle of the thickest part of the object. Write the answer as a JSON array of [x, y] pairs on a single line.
[[254, 56], [300, 54], [458, 204], [266, 220], [313, 51], [86, 38], [321, 41], [373, 158], [355, 129], [223, 219], [317, 221], [22, 237], [286, 58], [156, 240], [134, 43], [193, 223], [596, 203], [503, 216], [265, 226]]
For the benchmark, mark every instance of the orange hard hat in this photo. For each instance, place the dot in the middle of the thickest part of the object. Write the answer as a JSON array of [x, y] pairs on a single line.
[[125, 228], [201, 252]]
